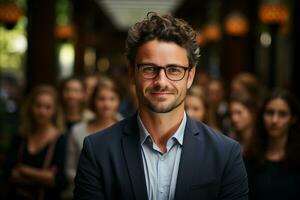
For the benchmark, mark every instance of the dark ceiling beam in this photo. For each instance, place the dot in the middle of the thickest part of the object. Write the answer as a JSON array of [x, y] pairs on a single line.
[[89, 19], [40, 64], [238, 53], [99, 20], [192, 11]]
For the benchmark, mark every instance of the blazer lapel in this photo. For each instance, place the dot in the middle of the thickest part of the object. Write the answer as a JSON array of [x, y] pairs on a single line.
[[132, 152], [189, 162]]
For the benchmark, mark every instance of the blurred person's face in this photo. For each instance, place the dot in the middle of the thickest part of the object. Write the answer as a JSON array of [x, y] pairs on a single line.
[[90, 83], [73, 94], [240, 116], [106, 103], [43, 109], [159, 94], [195, 108], [277, 118], [237, 88], [215, 92], [202, 80]]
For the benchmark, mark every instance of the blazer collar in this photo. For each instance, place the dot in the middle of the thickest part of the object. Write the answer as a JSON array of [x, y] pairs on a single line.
[[133, 157], [192, 155], [191, 161]]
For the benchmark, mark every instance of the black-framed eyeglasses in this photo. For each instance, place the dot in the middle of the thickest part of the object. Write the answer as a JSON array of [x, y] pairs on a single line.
[[173, 72]]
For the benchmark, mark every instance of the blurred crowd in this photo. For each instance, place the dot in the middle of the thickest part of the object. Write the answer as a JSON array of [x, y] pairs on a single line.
[[42, 134]]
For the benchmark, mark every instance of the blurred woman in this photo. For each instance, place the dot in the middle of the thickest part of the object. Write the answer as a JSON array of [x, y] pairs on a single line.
[[90, 81], [243, 111], [216, 95], [247, 83], [35, 165], [105, 102], [198, 108], [273, 158], [73, 102]]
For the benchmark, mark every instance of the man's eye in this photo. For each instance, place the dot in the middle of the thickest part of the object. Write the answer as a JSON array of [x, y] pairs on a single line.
[[149, 69], [174, 70]]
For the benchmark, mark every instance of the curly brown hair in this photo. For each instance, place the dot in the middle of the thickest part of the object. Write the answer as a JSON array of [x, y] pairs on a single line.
[[163, 28]]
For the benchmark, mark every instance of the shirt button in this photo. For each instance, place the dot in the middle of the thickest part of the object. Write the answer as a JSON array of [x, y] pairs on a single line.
[[161, 190]]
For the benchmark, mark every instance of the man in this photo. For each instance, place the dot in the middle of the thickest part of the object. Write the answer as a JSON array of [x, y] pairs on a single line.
[[160, 153]]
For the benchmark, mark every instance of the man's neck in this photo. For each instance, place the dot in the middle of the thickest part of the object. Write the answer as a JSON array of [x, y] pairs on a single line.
[[161, 126]]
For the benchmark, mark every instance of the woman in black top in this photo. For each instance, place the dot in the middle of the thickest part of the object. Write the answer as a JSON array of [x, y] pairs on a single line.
[[35, 165], [273, 159]]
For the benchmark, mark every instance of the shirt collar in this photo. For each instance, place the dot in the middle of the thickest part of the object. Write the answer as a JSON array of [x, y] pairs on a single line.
[[178, 135]]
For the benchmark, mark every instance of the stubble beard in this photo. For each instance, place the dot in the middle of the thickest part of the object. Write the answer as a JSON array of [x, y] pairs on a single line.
[[163, 109], [166, 109]]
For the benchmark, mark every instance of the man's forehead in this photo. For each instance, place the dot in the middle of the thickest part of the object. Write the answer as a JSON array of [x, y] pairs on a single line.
[[161, 51]]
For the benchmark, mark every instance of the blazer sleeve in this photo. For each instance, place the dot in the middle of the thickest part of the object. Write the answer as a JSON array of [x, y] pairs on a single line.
[[234, 184], [88, 184]]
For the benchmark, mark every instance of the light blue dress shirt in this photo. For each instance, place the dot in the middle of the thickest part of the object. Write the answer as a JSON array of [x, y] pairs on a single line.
[[161, 168]]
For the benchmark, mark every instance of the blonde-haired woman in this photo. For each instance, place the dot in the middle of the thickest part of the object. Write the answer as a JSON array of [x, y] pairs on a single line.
[[198, 108], [35, 164], [104, 103]]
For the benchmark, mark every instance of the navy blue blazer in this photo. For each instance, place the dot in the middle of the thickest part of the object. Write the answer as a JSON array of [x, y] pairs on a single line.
[[111, 166]]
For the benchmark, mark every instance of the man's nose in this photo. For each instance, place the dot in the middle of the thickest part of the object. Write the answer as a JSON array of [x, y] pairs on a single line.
[[161, 76]]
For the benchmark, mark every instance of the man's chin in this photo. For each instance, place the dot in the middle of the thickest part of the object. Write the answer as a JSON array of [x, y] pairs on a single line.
[[160, 111], [161, 108]]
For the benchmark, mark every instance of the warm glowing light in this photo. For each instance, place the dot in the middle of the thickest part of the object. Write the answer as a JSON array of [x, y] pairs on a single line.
[[265, 39], [273, 13], [66, 59], [64, 31], [212, 32], [19, 44], [89, 57], [103, 64], [10, 13], [236, 24]]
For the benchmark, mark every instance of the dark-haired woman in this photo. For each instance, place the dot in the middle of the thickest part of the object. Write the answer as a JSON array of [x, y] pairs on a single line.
[[273, 159], [242, 111]]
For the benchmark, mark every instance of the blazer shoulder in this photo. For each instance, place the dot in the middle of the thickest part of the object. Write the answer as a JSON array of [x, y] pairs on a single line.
[[112, 133], [213, 136]]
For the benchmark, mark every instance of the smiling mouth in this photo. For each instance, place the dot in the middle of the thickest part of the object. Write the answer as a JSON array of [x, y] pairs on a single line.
[[161, 93], [161, 96]]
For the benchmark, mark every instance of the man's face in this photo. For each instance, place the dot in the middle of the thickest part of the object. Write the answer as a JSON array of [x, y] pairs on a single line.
[[161, 95]]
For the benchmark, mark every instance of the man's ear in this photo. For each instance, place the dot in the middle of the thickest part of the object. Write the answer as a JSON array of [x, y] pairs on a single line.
[[191, 75]]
